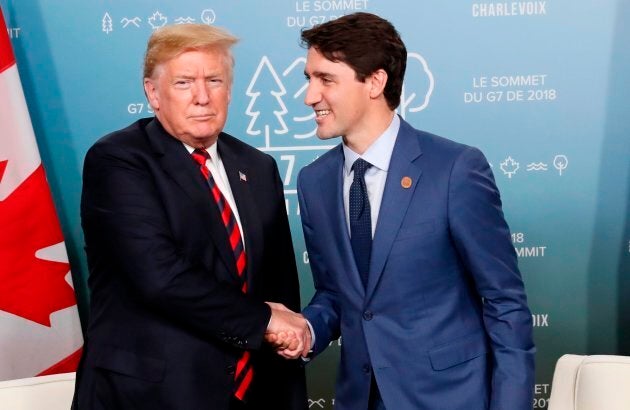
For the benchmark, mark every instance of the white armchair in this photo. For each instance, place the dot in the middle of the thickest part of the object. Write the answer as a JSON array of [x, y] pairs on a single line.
[[52, 392], [597, 382]]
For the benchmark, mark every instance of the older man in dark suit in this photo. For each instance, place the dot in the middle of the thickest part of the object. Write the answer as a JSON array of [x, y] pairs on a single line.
[[187, 236]]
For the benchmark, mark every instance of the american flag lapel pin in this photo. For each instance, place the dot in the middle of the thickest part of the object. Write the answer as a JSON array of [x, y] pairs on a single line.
[[242, 176]]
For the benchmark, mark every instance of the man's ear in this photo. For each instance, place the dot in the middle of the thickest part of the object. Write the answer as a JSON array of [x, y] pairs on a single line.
[[378, 80], [150, 91]]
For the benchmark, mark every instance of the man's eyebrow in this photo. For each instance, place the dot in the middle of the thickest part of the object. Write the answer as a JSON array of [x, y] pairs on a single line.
[[318, 74]]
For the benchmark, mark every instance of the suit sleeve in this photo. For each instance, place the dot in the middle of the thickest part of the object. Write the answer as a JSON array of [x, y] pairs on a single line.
[[127, 227], [482, 238], [322, 311]]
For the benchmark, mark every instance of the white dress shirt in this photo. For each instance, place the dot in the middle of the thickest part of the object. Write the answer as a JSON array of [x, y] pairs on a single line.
[[215, 165]]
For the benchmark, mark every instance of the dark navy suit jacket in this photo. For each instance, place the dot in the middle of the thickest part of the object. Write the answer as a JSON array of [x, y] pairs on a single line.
[[168, 321], [443, 322]]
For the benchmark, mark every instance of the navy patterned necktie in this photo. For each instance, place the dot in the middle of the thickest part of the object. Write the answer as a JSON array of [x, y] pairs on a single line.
[[244, 372], [360, 219]]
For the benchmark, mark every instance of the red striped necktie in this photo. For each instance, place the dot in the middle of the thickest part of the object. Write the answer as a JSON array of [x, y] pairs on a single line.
[[244, 372]]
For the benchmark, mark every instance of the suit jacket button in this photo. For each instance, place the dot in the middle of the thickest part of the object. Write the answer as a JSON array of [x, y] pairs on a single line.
[[366, 368], [367, 315], [230, 369]]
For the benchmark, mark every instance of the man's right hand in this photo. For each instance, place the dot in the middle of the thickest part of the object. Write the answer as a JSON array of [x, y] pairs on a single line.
[[288, 332]]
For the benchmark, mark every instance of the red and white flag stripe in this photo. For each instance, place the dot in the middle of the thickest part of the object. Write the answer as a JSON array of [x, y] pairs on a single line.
[[40, 332]]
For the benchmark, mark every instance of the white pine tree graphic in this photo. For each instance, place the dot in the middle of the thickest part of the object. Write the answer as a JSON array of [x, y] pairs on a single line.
[[107, 24], [256, 124]]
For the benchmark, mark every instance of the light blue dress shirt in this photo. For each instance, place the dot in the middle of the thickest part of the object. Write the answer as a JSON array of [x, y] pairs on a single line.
[[379, 154]]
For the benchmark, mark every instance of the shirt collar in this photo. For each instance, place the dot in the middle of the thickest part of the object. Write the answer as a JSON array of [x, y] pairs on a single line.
[[212, 150], [379, 154]]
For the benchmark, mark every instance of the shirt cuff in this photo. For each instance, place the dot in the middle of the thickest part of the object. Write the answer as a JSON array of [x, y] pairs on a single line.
[[310, 328]]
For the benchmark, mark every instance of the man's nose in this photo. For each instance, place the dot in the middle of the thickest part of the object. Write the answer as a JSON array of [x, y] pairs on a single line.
[[313, 95], [200, 94]]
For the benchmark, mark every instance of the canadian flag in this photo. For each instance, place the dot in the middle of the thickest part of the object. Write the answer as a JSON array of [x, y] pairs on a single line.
[[40, 332]]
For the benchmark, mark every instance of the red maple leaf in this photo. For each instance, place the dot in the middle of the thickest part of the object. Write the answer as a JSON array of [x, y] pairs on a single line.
[[31, 287]]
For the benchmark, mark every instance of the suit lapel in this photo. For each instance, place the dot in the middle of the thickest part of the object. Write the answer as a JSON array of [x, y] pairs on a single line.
[[332, 197], [252, 234], [176, 162], [396, 200]]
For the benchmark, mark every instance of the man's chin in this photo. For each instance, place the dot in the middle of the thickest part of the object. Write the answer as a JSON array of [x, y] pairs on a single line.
[[197, 140], [204, 133], [323, 135]]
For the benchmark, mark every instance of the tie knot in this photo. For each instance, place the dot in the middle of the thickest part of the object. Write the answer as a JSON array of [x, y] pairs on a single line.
[[359, 167], [200, 156]]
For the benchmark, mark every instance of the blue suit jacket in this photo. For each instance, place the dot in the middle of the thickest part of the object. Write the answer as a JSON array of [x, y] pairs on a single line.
[[443, 322]]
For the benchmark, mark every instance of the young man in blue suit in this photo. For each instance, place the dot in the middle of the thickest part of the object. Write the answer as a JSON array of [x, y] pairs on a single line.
[[186, 237], [410, 253]]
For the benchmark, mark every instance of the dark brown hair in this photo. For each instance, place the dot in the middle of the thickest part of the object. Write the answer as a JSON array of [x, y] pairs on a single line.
[[366, 43]]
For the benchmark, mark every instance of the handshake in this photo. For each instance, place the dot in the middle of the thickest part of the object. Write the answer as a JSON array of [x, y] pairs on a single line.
[[288, 332]]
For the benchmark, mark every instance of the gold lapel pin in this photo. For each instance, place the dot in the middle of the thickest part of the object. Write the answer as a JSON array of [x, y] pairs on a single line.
[[405, 182]]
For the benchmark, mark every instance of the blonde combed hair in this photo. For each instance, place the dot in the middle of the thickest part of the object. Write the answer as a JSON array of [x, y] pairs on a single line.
[[168, 42]]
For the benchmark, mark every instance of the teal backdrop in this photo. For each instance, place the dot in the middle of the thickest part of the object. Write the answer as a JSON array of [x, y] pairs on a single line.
[[542, 87]]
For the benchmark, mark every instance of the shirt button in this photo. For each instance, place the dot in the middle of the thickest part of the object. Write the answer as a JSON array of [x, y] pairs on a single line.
[[367, 315], [230, 369]]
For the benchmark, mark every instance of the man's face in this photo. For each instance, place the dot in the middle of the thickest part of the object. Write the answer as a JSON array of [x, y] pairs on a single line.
[[340, 100], [190, 96]]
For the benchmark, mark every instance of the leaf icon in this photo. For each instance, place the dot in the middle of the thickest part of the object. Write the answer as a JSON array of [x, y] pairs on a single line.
[[509, 166]]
